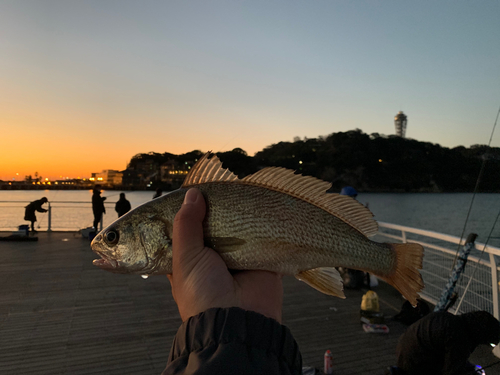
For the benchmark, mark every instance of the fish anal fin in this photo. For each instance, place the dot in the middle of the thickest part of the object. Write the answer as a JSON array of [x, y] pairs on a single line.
[[224, 244], [327, 280], [406, 278]]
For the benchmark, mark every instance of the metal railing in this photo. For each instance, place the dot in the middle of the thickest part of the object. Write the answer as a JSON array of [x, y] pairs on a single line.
[[477, 287], [478, 283], [61, 215]]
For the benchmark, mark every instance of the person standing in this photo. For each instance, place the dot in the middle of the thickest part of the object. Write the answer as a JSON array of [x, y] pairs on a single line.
[[158, 193], [29, 213], [122, 206], [98, 206]]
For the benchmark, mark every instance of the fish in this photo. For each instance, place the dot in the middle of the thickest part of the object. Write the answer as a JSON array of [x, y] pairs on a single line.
[[273, 220]]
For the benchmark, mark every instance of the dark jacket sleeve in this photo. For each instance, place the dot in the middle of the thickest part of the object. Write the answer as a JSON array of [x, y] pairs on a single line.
[[38, 206], [233, 341]]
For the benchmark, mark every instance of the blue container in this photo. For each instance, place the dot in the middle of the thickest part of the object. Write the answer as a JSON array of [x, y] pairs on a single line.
[[92, 235], [25, 228]]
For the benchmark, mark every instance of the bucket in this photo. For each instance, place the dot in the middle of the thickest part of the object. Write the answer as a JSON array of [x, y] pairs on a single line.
[[25, 228]]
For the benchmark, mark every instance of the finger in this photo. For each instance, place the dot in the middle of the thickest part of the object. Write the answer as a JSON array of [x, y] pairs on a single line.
[[187, 238]]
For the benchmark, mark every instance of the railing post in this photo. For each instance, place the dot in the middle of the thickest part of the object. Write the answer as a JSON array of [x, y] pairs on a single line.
[[403, 236], [50, 219], [494, 285]]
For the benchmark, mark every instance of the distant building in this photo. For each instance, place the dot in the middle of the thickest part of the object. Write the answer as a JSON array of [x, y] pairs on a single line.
[[400, 121], [108, 177], [77, 183], [148, 167], [132, 179], [174, 173]]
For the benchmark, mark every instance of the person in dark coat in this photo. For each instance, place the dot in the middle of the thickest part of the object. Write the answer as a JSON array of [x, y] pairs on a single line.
[[158, 193], [122, 206], [441, 343], [231, 321], [29, 213], [97, 206]]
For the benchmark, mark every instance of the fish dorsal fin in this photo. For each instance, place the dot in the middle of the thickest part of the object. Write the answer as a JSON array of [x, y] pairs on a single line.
[[310, 189], [313, 190], [208, 169]]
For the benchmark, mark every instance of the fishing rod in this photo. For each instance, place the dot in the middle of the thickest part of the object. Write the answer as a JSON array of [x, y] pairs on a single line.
[[40, 222], [112, 195], [483, 164], [51, 199], [477, 264], [488, 366]]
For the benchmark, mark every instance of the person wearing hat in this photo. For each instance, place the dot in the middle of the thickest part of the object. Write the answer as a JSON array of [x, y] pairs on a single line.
[[29, 213], [441, 343], [349, 191], [97, 206]]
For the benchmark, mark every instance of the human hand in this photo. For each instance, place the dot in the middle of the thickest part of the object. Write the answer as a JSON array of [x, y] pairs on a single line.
[[200, 279]]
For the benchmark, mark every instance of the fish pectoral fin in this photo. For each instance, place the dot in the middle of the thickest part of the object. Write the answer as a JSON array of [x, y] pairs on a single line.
[[325, 279], [224, 244]]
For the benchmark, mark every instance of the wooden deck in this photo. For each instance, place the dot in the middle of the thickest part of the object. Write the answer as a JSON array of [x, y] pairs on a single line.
[[61, 315]]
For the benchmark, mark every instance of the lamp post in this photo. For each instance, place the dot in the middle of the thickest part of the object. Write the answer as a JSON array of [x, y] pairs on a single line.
[[400, 122]]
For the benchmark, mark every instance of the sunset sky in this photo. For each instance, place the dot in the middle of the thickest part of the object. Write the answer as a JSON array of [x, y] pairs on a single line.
[[85, 85]]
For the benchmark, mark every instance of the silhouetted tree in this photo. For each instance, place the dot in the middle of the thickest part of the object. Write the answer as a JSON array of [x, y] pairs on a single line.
[[368, 162]]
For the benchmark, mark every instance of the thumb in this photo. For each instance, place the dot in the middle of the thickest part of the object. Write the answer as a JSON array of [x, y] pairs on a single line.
[[187, 239]]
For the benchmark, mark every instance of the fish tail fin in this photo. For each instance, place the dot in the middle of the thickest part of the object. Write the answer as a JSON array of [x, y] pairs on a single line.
[[406, 278]]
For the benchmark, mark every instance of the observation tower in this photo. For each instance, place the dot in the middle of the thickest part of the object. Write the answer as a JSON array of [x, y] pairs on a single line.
[[400, 122]]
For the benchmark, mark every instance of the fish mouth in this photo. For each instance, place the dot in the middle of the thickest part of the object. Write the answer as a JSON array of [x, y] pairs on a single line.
[[105, 262]]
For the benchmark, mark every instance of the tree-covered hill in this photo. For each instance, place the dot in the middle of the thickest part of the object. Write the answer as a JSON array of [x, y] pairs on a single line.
[[367, 162]]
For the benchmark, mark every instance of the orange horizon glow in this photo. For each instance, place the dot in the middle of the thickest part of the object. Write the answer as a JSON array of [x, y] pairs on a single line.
[[59, 141], [84, 89]]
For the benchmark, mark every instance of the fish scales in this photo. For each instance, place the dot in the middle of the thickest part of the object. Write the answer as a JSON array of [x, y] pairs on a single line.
[[273, 220], [305, 235]]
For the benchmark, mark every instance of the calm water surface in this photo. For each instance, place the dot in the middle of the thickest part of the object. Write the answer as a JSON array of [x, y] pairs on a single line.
[[440, 212], [71, 209]]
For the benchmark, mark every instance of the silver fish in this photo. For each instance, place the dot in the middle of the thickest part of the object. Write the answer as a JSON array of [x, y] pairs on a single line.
[[272, 220]]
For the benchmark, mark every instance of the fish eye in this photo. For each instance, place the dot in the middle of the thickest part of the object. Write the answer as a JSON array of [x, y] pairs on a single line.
[[111, 237]]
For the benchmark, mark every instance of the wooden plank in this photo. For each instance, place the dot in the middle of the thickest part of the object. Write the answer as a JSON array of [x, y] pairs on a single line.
[[61, 315]]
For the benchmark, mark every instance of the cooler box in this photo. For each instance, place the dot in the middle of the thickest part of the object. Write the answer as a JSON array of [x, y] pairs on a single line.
[[23, 230], [86, 232]]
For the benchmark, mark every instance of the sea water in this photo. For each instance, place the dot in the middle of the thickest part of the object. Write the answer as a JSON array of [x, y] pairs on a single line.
[[71, 210], [439, 212]]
